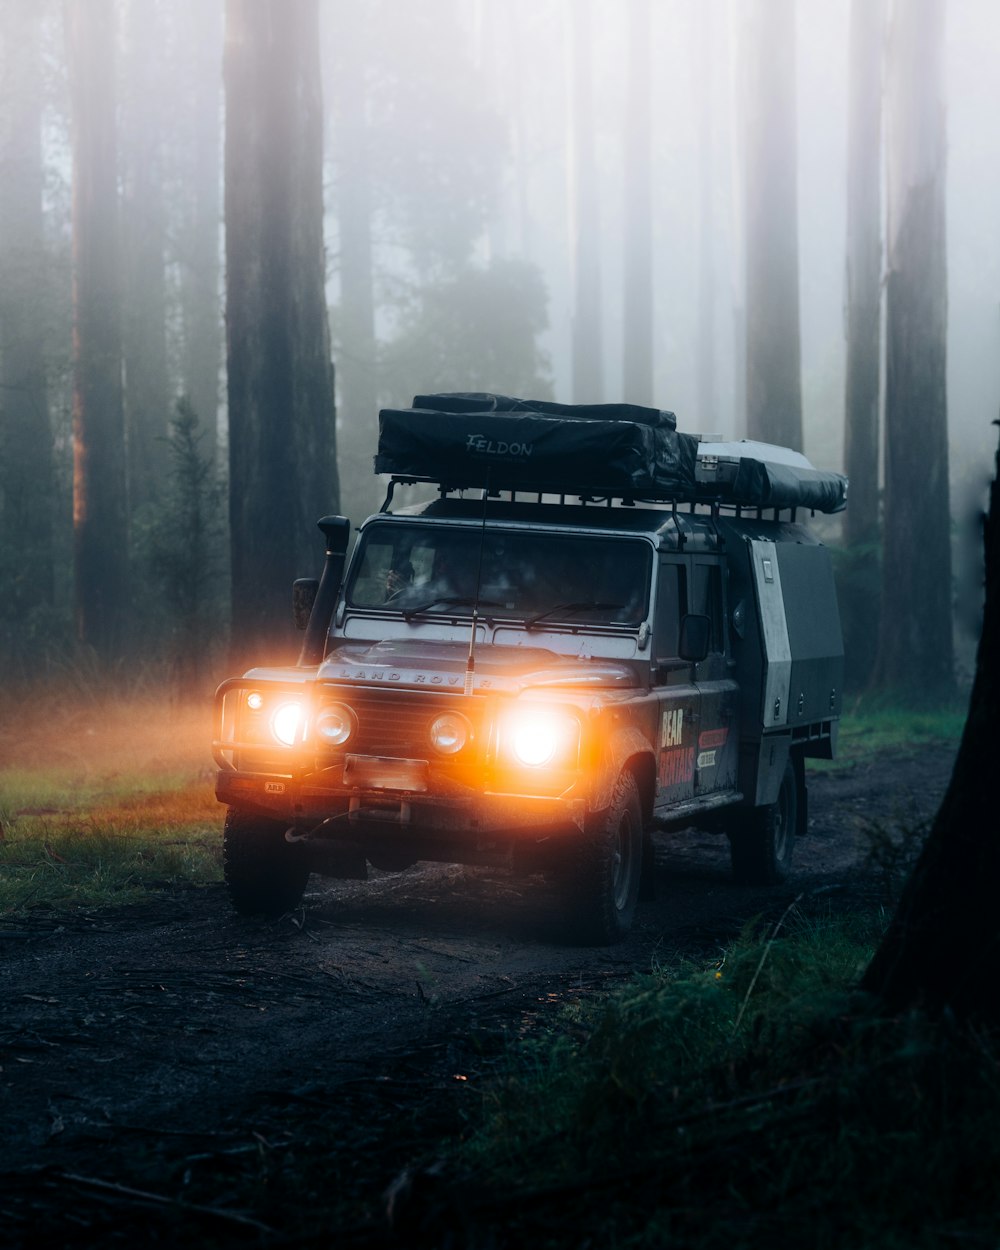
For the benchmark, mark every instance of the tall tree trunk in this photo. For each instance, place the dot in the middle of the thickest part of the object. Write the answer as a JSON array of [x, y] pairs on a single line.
[[774, 381], [638, 213], [358, 372], [199, 234], [944, 939], [144, 333], [705, 376], [282, 468], [26, 467], [915, 639], [99, 483], [588, 386], [864, 265]]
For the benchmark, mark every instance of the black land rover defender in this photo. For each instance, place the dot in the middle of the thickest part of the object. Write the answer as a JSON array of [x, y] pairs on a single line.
[[600, 627]]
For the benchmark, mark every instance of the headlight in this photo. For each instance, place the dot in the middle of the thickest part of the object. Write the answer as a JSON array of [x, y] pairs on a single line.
[[335, 724], [537, 736], [450, 732], [286, 723]]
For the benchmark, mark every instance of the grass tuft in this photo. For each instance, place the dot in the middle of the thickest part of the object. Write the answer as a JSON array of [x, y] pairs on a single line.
[[103, 799]]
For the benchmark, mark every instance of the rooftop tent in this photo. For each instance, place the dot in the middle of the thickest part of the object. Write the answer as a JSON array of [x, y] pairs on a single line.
[[617, 450], [474, 440]]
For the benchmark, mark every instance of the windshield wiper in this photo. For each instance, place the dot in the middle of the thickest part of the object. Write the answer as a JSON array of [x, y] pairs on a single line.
[[452, 600], [581, 605]]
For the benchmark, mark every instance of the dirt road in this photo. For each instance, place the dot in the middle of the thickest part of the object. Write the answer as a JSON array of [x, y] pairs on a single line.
[[125, 1028]]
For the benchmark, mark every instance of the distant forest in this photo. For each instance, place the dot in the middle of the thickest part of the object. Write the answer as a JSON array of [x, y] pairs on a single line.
[[230, 231]]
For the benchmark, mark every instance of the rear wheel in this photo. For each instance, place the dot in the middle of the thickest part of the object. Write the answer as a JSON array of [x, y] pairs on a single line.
[[603, 874], [265, 875], [762, 840]]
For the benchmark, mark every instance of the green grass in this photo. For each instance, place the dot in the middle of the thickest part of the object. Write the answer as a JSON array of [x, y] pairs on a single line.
[[103, 801], [871, 726], [760, 1102]]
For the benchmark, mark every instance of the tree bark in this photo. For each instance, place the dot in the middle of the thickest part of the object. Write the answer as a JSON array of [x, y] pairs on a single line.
[[773, 351], [915, 653], [637, 320], [26, 467], [198, 233], [864, 270], [282, 468], [588, 385], [358, 371], [99, 481], [144, 329], [941, 947]]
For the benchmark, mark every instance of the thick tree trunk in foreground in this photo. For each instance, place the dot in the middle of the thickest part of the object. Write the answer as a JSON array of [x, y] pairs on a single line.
[[99, 483], [26, 471], [282, 474], [915, 639], [942, 946], [773, 364], [864, 270]]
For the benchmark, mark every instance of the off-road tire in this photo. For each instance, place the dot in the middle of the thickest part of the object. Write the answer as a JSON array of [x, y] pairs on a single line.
[[762, 839], [603, 870], [265, 875]]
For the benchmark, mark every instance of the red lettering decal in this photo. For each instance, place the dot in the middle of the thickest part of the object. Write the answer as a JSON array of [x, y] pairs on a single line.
[[712, 738]]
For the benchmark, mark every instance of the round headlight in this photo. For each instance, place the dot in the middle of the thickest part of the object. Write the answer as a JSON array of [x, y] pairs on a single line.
[[255, 700], [450, 732], [534, 743], [335, 724], [286, 723]]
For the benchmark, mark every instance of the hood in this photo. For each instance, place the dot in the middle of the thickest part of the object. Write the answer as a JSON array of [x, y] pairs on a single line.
[[424, 663]]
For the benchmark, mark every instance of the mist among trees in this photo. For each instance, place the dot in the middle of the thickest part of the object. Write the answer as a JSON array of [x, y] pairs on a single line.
[[229, 232]]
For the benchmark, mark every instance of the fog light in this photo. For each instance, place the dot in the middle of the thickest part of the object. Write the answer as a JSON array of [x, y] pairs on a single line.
[[255, 700], [450, 732], [335, 724]]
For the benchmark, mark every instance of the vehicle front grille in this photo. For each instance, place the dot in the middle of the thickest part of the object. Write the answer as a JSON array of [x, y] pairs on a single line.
[[397, 722]]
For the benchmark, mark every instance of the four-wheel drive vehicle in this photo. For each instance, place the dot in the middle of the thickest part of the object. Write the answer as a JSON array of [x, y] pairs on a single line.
[[622, 628]]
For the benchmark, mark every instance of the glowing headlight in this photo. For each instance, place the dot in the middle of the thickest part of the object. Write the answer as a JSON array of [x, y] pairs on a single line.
[[450, 732], [255, 700], [286, 723], [536, 736], [335, 724]]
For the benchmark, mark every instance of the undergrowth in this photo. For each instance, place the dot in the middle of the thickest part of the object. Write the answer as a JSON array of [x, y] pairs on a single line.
[[756, 1103], [872, 726], [103, 799]]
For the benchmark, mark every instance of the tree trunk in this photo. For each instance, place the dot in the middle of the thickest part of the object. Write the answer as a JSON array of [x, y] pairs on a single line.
[[940, 948], [282, 474], [199, 235], [357, 373], [26, 466], [915, 652], [707, 417], [588, 386], [864, 270], [144, 334], [773, 366], [638, 214], [99, 483]]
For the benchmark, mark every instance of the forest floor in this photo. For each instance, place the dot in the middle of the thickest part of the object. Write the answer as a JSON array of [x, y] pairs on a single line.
[[154, 1057]]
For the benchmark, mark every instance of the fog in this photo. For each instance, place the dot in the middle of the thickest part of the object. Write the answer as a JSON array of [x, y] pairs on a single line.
[[457, 229]]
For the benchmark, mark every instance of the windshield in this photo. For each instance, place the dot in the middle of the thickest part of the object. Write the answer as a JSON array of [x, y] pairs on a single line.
[[540, 578]]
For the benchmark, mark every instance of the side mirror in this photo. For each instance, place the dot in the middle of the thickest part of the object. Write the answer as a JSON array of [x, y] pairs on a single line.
[[304, 591], [696, 634]]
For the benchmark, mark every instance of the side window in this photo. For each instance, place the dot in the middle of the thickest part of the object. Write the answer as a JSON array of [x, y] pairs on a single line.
[[670, 601], [706, 600]]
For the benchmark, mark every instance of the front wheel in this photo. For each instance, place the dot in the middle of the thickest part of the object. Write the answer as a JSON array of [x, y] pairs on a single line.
[[265, 875], [603, 875], [762, 839]]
